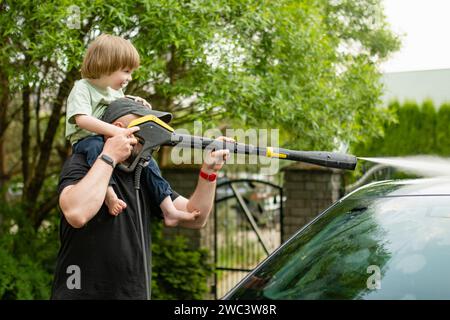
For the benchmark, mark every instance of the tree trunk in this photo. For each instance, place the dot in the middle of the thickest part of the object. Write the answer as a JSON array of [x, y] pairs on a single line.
[[36, 182], [4, 104], [39, 212], [26, 135], [44, 209]]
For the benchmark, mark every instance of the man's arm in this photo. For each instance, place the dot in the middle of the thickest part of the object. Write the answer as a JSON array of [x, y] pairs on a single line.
[[203, 197], [81, 201]]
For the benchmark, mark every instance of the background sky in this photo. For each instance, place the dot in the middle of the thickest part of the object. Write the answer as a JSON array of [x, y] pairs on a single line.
[[424, 27]]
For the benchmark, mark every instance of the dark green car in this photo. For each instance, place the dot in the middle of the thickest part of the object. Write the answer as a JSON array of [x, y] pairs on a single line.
[[387, 240]]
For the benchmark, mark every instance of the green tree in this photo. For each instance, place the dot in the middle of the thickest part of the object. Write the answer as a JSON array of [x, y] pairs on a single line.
[[427, 123], [416, 130], [274, 64], [406, 134], [443, 130]]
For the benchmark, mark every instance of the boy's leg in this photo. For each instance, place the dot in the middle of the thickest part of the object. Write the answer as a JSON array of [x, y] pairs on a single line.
[[114, 204], [160, 192], [158, 186], [91, 147], [172, 216]]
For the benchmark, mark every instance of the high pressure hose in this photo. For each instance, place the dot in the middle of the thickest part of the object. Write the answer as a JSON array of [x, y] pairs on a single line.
[[147, 263]]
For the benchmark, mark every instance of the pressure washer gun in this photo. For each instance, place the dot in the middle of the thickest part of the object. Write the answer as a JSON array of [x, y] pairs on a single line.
[[154, 133]]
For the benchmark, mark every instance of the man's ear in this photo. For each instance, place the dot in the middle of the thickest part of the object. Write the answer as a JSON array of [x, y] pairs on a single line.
[[119, 124]]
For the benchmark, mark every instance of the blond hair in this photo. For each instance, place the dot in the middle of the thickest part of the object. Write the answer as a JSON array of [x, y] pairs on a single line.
[[107, 54]]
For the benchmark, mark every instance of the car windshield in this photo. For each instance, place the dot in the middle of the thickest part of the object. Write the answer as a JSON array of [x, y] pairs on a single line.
[[362, 248]]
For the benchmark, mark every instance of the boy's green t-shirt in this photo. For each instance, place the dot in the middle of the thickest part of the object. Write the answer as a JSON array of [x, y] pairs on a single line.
[[87, 99]]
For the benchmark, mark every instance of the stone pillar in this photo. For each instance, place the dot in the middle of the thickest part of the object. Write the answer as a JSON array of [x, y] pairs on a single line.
[[309, 189]]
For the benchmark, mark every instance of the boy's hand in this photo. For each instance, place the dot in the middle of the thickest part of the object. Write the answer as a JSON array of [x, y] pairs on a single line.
[[119, 131], [140, 100]]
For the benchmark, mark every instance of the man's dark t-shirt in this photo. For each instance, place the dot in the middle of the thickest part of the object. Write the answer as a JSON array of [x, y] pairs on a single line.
[[106, 252]]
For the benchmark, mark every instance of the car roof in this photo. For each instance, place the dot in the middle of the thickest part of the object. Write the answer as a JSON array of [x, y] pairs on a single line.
[[411, 187]]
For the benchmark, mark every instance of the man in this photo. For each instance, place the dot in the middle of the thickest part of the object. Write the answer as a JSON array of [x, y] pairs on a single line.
[[101, 254]]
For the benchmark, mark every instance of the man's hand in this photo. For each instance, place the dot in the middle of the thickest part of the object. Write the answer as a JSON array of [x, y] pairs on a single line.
[[120, 146], [140, 100], [215, 160], [203, 197]]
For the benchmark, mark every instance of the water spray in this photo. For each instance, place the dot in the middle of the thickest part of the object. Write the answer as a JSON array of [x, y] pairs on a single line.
[[427, 166]]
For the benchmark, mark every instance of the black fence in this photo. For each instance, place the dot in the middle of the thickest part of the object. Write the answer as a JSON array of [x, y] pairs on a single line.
[[247, 227]]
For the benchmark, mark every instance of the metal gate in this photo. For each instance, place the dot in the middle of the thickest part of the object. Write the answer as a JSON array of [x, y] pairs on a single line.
[[247, 227]]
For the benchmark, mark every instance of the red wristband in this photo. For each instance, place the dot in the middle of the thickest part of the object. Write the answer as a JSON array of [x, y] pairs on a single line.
[[209, 177]]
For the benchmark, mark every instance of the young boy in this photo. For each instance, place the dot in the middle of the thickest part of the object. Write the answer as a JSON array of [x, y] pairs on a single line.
[[106, 70]]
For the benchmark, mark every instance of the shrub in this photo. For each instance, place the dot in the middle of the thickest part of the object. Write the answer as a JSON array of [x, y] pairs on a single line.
[[418, 130], [180, 273], [27, 256]]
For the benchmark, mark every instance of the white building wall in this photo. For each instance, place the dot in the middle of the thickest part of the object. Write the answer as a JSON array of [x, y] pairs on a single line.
[[417, 86]]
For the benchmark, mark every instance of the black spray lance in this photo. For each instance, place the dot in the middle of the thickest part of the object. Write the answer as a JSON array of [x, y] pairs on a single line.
[[154, 133]]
